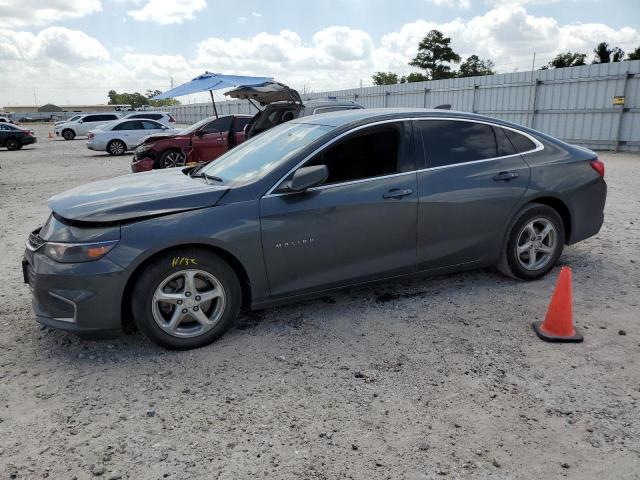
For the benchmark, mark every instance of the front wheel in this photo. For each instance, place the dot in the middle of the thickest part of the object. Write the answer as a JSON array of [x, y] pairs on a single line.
[[116, 147], [186, 299], [171, 158], [535, 243]]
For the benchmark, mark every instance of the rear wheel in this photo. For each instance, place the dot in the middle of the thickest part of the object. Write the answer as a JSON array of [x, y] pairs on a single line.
[[13, 144], [116, 147], [68, 134], [186, 299], [171, 158], [535, 243]]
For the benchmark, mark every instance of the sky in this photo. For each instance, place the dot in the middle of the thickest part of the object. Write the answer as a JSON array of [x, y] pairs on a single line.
[[75, 51]]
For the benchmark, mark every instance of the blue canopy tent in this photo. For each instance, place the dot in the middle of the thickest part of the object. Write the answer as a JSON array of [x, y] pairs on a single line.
[[212, 81]]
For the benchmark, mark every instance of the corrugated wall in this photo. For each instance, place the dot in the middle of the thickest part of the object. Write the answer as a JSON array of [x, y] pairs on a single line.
[[574, 104]]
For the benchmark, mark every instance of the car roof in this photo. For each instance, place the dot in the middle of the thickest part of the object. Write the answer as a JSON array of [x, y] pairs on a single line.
[[315, 103], [369, 115]]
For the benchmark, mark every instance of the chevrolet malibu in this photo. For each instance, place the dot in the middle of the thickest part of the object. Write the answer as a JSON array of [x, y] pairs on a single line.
[[318, 203]]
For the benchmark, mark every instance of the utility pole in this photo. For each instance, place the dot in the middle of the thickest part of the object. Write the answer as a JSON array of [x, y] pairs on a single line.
[[171, 81], [35, 99]]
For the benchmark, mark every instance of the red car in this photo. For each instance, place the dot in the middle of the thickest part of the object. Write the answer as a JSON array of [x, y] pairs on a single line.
[[202, 142]]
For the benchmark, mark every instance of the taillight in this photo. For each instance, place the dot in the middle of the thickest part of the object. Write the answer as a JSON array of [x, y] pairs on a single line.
[[90, 135], [598, 166]]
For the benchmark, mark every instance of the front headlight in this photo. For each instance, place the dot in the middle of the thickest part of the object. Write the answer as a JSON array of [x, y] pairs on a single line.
[[142, 148], [78, 252]]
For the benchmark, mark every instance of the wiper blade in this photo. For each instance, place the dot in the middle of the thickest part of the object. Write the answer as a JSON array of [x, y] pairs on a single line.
[[208, 177]]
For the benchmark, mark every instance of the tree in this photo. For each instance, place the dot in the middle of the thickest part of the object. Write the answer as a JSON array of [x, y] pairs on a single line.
[[416, 77], [635, 55], [474, 67], [165, 102], [567, 59], [435, 56], [385, 78], [604, 54], [137, 100]]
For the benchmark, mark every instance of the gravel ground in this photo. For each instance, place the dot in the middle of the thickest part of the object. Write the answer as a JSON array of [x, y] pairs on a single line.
[[437, 378]]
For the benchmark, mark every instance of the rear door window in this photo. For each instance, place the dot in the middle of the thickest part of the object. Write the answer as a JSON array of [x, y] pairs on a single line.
[[504, 144], [91, 118], [521, 143], [451, 142], [151, 125], [241, 122]]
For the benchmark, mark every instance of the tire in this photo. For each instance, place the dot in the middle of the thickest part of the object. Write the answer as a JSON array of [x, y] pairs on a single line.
[[162, 293], [116, 147], [13, 144], [171, 158], [68, 134], [535, 242]]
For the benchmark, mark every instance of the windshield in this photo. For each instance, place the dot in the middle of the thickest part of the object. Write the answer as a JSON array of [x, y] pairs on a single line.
[[255, 158], [196, 126]]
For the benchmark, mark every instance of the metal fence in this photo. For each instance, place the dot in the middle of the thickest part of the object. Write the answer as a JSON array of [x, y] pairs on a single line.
[[581, 105]]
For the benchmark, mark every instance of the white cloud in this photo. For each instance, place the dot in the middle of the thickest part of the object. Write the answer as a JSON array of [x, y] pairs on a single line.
[[461, 4], [166, 12], [78, 66], [241, 20], [21, 13], [53, 43], [256, 14]]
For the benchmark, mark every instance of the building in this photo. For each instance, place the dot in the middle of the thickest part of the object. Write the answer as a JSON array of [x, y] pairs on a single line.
[[22, 109]]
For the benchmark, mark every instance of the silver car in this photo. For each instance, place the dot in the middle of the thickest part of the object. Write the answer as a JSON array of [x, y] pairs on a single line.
[[122, 135]]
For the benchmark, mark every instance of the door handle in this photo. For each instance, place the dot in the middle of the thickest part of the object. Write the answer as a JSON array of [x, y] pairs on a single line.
[[397, 193], [505, 176]]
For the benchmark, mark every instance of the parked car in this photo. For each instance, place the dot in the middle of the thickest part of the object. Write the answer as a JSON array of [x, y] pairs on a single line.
[[71, 119], [314, 204], [14, 138], [121, 135], [5, 120], [162, 117], [201, 142], [81, 126], [283, 104]]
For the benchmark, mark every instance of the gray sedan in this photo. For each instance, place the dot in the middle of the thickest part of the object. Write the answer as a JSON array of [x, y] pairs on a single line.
[[315, 204]]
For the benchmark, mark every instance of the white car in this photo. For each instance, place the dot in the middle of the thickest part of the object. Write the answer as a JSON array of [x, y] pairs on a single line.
[[72, 119], [80, 127], [162, 117], [122, 135]]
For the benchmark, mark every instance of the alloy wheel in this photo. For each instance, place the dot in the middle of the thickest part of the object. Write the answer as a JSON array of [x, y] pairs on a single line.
[[173, 159], [117, 148], [188, 303], [537, 243]]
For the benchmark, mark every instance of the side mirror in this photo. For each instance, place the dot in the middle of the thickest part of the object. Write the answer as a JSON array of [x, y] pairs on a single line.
[[80, 121], [307, 177]]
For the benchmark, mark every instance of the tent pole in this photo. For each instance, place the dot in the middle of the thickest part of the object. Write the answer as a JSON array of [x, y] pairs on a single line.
[[215, 110]]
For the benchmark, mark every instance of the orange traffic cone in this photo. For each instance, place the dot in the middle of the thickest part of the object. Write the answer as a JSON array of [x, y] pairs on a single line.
[[50, 134], [558, 323]]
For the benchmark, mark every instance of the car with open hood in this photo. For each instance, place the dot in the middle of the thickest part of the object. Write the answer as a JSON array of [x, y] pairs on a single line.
[[314, 204]]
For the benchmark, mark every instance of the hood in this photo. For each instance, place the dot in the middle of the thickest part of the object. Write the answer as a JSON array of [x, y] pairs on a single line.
[[160, 136], [266, 93], [136, 196]]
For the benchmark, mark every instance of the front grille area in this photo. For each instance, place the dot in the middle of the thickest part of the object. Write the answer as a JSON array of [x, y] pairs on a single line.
[[35, 241]]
